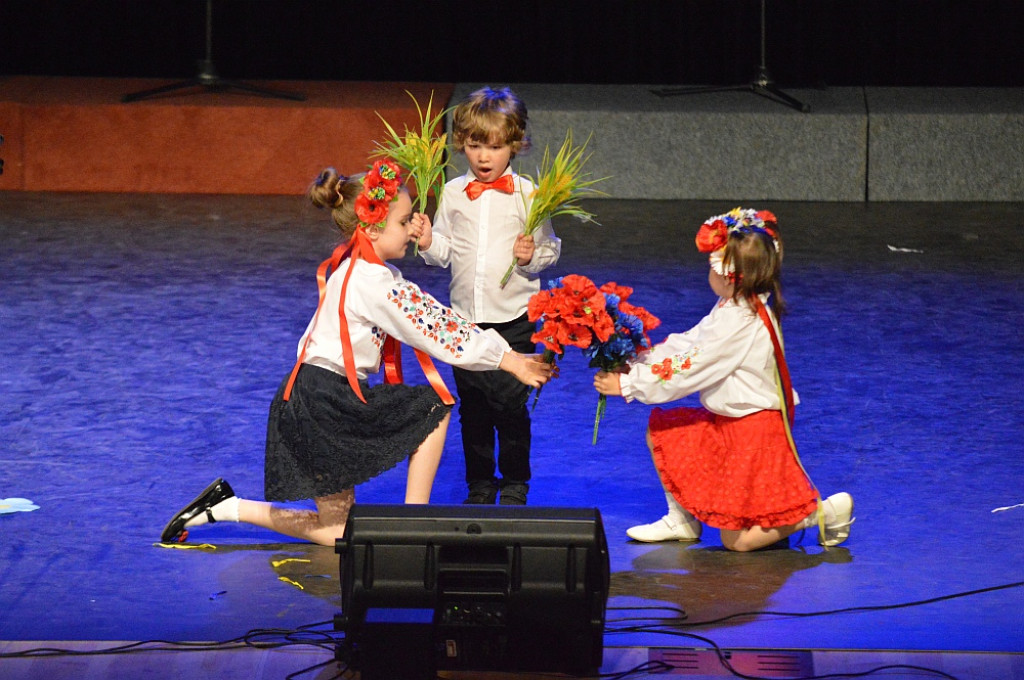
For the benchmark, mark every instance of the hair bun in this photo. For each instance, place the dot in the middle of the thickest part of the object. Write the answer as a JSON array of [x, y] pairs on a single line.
[[339, 199], [326, 190]]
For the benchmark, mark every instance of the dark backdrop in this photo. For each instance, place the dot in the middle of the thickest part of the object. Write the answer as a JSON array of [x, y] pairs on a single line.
[[810, 42]]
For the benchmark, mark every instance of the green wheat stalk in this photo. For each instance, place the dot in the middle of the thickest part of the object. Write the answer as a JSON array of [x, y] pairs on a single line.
[[422, 152], [559, 183]]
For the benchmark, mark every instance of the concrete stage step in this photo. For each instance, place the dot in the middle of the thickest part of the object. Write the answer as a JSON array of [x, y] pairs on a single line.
[[855, 144]]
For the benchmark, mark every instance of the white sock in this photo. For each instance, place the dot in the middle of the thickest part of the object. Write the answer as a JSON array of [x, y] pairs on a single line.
[[225, 511], [811, 521], [677, 513]]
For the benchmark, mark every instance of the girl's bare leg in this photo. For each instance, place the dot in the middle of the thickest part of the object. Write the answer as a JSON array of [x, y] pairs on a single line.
[[423, 464], [323, 525], [837, 511], [327, 522], [755, 538]]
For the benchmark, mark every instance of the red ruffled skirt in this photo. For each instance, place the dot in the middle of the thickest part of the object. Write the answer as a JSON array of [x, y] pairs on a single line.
[[731, 473]]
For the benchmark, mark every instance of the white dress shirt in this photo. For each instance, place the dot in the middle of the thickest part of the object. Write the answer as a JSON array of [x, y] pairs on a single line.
[[378, 302], [476, 238], [728, 357]]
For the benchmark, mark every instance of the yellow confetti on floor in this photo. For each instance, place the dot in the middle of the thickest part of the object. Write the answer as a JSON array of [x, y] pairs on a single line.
[[277, 563]]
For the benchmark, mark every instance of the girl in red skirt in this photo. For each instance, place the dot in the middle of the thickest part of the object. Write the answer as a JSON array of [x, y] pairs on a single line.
[[730, 464]]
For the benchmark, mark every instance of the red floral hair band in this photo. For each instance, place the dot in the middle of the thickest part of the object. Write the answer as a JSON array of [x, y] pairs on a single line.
[[714, 234], [380, 188]]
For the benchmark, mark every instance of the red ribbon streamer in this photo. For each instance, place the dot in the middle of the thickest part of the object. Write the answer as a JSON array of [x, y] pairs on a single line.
[[360, 247], [780, 359]]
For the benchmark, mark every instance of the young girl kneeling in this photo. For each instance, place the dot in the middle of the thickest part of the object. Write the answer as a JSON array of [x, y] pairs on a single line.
[[328, 430], [730, 464]]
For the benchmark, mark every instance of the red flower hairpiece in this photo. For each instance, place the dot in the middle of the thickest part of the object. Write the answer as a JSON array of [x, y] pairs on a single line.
[[712, 236], [380, 188], [714, 233]]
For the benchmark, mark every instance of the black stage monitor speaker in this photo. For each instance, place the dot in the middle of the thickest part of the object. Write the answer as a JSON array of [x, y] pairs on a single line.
[[427, 588]]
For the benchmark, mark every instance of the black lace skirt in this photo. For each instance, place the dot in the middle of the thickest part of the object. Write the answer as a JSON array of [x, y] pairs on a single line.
[[324, 440]]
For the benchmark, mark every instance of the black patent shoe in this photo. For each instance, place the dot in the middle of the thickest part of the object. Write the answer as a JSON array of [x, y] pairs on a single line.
[[218, 491]]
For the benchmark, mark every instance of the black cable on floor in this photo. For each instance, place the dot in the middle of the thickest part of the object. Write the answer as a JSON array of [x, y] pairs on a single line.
[[305, 635], [844, 610], [679, 622]]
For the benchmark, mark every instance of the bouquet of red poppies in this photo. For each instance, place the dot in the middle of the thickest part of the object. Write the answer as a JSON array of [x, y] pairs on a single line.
[[575, 312]]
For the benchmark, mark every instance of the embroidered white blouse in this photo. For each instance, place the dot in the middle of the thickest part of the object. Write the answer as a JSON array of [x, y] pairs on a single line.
[[728, 358], [476, 238], [380, 301]]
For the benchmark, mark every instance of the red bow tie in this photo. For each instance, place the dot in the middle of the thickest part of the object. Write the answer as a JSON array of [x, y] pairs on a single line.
[[504, 184]]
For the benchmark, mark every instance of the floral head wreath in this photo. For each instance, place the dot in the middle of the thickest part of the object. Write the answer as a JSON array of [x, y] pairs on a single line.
[[380, 188], [714, 234]]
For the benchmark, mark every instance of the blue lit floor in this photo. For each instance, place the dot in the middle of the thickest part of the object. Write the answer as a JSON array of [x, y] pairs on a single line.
[[141, 338]]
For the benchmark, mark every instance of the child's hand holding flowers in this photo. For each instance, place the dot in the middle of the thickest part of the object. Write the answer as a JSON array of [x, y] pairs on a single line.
[[420, 229], [607, 383], [559, 184], [609, 330], [523, 249], [422, 152]]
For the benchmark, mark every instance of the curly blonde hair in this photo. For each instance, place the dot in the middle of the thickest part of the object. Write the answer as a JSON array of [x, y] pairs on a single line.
[[487, 115]]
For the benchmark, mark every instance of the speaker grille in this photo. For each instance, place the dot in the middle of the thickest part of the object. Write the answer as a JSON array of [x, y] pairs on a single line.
[[760, 663]]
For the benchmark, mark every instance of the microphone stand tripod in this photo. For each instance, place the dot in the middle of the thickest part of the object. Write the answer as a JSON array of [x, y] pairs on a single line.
[[208, 78], [762, 84]]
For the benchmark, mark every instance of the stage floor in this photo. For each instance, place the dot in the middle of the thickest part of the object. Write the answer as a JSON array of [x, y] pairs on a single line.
[[143, 336]]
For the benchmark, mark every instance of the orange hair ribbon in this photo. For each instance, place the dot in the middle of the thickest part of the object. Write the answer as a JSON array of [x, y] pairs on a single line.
[[360, 247]]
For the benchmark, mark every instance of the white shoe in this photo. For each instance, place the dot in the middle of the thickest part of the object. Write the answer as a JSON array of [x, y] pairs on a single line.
[[665, 529], [838, 518]]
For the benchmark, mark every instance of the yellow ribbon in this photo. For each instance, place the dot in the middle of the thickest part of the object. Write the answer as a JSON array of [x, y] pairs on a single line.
[[277, 563], [785, 393]]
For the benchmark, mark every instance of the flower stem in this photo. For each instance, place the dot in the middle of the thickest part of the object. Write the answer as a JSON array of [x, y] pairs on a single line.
[[548, 357], [508, 274], [602, 403]]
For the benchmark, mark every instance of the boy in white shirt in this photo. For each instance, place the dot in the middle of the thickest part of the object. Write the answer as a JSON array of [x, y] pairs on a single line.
[[477, 229]]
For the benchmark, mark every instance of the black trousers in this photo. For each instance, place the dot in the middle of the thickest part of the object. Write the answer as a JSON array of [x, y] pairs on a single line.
[[492, 405]]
